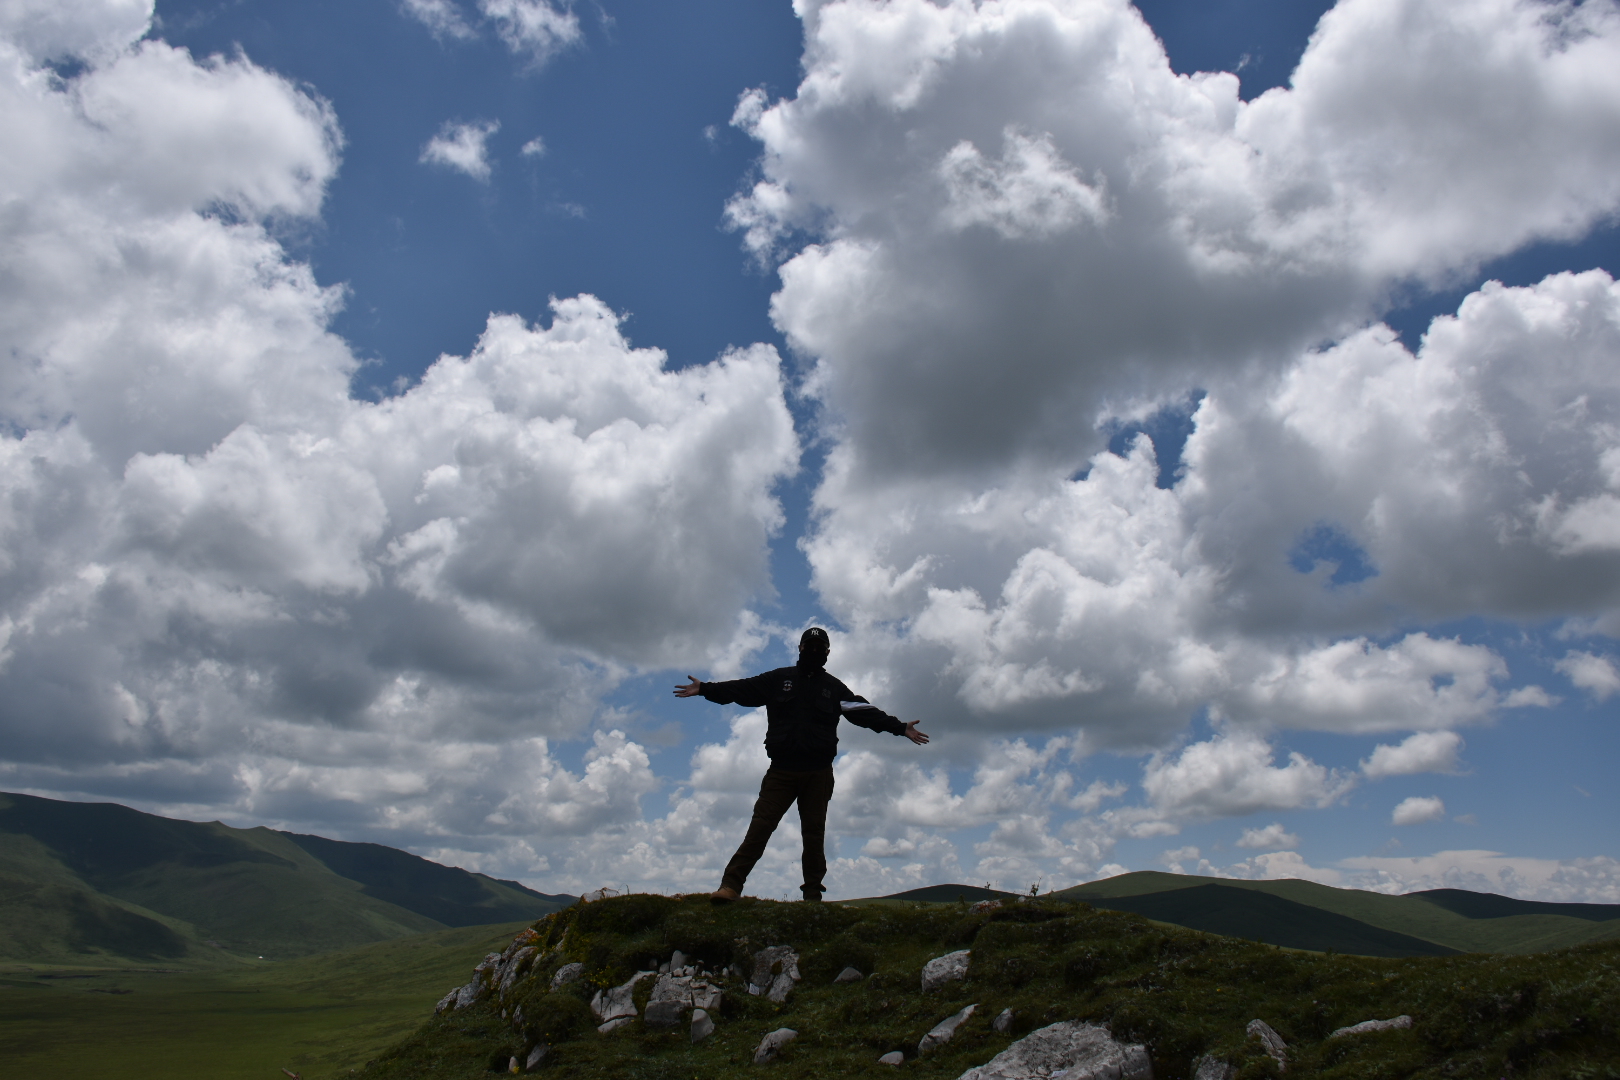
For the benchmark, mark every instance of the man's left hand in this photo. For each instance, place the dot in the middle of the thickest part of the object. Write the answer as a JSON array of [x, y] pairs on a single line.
[[914, 735]]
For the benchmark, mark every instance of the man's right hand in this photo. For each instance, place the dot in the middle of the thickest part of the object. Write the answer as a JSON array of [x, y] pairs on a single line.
[[691, 689]]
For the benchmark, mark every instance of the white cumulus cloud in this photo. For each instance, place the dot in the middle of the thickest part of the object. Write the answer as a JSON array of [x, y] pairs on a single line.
[[1234, 774], [1595, 674], [463, 146], [1424, 751], [1418, 810], [1271, 838]]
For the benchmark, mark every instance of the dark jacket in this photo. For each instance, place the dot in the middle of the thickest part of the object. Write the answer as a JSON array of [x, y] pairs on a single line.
[[802, 710]]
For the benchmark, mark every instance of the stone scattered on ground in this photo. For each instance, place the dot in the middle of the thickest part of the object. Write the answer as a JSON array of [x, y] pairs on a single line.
[[943, 969], [1071, 1050], [611, 1004], [1003, 1021], [776, 969], [666, 1014], [702, 1025], [566, 974], [848, 975], [1366, 1027], [941, 1033], [615, 1025], [536, 1056], [1212, 1068], [772, 1044], [1272, 1042], [893, 1057]]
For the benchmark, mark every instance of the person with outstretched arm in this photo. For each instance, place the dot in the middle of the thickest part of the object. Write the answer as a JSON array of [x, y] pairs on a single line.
[[802, 706]]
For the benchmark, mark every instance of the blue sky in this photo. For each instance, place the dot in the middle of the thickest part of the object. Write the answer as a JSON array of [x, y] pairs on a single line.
[[920, 274]]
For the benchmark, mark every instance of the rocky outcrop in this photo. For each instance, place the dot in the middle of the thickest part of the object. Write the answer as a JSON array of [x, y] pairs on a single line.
[[771, 1045], [776, 970], [1069, 1050], [1366, 1027], [1271, 1041], [941, 1033], [943, 969]]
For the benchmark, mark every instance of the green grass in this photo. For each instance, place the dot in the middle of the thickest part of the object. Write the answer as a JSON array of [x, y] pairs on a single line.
[[1181, 993], [320, 1016]]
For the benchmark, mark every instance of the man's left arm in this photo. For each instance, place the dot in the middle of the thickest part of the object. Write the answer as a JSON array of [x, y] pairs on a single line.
[[857, 710]]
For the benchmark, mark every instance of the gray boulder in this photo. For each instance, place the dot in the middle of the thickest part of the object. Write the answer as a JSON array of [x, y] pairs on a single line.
[[566, 974], [943, 969], [706, 996], [673, 988], [1272, 1042], [893, 1057], [1069, 1050], [702, 1025], [536, 1056], [666, 1014], [610, 1005], [776, 969], [1366, 1027], [615, 1025], [1003, 1021], [772, 1044], [447, 1002], [848, 975], [1212, 1068], [941, 1033]]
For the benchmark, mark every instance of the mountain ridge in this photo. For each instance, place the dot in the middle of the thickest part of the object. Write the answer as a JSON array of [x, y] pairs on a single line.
[[87, 883]]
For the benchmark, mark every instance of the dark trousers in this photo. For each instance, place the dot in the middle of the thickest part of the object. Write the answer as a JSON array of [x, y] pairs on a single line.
[[778, 791]]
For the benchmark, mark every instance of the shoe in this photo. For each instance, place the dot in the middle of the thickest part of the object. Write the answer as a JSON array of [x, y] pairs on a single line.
[[723, 895]]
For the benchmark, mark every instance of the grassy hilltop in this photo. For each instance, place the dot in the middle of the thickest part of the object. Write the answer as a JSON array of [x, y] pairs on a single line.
[[1180, 992]]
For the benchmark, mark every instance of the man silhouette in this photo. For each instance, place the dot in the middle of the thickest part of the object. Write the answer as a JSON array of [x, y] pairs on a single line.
[[802, 706]]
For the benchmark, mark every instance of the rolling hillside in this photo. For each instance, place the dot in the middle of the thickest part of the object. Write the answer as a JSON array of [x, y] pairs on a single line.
[[99, 883], [1292, 912]]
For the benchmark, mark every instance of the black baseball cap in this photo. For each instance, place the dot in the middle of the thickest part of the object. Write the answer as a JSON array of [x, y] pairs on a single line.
[[815, 634]]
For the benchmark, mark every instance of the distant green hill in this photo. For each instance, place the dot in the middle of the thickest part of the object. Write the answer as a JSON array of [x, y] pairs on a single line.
[[99, 883], [1522, 926]]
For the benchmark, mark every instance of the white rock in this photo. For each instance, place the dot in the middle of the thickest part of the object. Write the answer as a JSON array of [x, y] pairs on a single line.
[[1271, 1041], [893, 1057], [677, 960], [1003, 1021], [702, 1025], [615, 1025], [780, 988], [566, 974], [987, 905], [706, 997], [536, 1056], [673, 988], [598, 894], [513, 967], [1211, 1068], [941, 1033], [1078, 1051], [848, 975], [447, 1002], [1369, 1026], [944, 969], [772, 1044], [765, 977], [611, 1004]]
